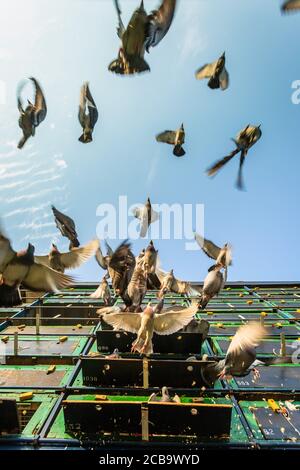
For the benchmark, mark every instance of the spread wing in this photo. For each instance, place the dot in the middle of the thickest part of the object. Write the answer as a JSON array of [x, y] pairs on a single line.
[[120, 28], [180, 287], [77, 256], [42, 260], [168, 137], [43, 278], [100, 258], [159, 22], [19, 98], [247, 337], [130, 322], [40, 108], [172, 321], [206, 71], [291, 5], [209, 248], [224, 79]]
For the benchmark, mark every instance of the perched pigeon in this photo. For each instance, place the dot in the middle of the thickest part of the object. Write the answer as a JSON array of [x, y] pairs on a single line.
[[216, 73], [290, 6], [165, 397], [213, 284], [70, 260], [146, 216], [21, 268], [170, 284], [245, 139], [148, 322], [143, 31], [34, 113], [221, 255], [175, 138], [103, 292], [67, 228], [88, 114]]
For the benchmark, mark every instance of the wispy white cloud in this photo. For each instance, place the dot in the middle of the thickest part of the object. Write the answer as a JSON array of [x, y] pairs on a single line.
[[35, 225], [26, 210], [43, 181], [41, 236], [29, 197], [193, 41]]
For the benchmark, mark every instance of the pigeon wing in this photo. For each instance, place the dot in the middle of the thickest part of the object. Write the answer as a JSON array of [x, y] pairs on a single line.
[[224, 79], [77, 256], [40, 108], [43, 278], [130, 322], [100, 258], [167, 137], [172, 321], [247, 337], [209, 248], [159, 22], [206, 71]]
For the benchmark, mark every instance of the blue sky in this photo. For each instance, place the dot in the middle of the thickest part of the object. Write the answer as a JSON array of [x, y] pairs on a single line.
[[63, 43]]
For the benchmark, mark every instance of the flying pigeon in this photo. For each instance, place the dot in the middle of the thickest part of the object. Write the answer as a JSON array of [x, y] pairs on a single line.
[[222, 255], [70, 260], [148, 322], [245, 139], [67, 228], [137, 288], [216, 73], [21, 268], [143, 31], [240, 358], [170, 284], [34, 113], [146, 216], [175, 138], [88, 114]]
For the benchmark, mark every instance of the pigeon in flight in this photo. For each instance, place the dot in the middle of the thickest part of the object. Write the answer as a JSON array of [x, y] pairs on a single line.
[[19, 268], [245, 139], [148, 322], [34, 113], [88, 114], [143, 31], [67, 228], [169, 283], [216, 73], [290, 6], [137, 288], [146, 215], [102, 260], [70, 260], [222, 255], [175, 138], [103, 292]]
